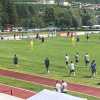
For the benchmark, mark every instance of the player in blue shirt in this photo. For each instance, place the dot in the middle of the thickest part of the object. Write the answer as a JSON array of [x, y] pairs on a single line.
[[93, 68]]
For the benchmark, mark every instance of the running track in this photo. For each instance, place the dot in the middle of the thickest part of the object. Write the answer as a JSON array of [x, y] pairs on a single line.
[[14, 91], [51, 82]]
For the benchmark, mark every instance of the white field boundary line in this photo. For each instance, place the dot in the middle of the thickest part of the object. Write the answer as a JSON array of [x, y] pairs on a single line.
[[43, 76], [46, 86], [34, 83], [19, 37], [17, 88]]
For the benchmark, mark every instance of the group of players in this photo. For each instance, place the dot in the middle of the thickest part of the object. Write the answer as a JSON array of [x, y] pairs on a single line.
[[69, 63], [72, 65]]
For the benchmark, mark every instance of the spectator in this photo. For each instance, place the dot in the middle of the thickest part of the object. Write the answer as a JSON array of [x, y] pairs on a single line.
[[64, 86], [58, 86]]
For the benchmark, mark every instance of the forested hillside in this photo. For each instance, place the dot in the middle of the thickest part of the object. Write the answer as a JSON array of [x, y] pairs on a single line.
[[88, 1], [36, 16]]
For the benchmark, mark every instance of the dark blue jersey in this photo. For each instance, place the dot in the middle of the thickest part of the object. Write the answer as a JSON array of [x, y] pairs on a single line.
[[93, 66], [46, 61]]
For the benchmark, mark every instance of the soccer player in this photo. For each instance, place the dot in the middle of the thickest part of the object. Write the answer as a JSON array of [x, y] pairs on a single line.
[[15, 60], [14, 36], [87, 36], [42, 39], [66, 59], [86, 59], [77, 58], [73, 40], [37, 36], [31, 43], [71, 68], [68, 33], [93, 68], [77, 38], [47, 63]]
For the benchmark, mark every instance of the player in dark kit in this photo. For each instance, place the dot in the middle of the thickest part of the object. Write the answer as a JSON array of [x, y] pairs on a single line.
[[77, 58], [93, 68], [37, 36], [86, 59], [87, 36], [42, 39], [66, 59], [47, 63], [15, 60], [77, 39]]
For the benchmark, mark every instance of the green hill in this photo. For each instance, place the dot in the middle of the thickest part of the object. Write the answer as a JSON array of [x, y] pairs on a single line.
[[85, 1], [88, 1]]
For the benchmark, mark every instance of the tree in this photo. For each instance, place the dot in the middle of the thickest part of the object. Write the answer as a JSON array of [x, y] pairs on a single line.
[[37, 22], [64, 19], [98, 20], [9, 12], [0, 14], [49, 16], [76, 21], [88, 17]]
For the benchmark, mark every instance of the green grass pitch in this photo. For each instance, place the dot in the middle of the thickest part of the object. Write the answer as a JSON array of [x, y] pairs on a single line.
[[31, 60]]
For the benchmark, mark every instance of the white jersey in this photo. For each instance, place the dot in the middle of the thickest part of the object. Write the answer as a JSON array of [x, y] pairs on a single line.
[[64, 84], [87, 57], [67, 58], [58, 87], [72, 66], [77, 57]]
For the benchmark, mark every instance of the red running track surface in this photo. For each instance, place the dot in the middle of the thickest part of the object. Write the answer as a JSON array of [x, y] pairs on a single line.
[[93, 91], [14, 91]]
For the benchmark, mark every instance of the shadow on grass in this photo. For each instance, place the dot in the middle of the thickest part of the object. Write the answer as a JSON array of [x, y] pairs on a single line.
[[87, 76], [98, 83], [81, 66], [12, 67], [66, 76], [42, 73]]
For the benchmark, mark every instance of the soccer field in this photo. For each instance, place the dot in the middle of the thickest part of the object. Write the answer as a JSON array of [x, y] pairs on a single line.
[[31, 60]]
